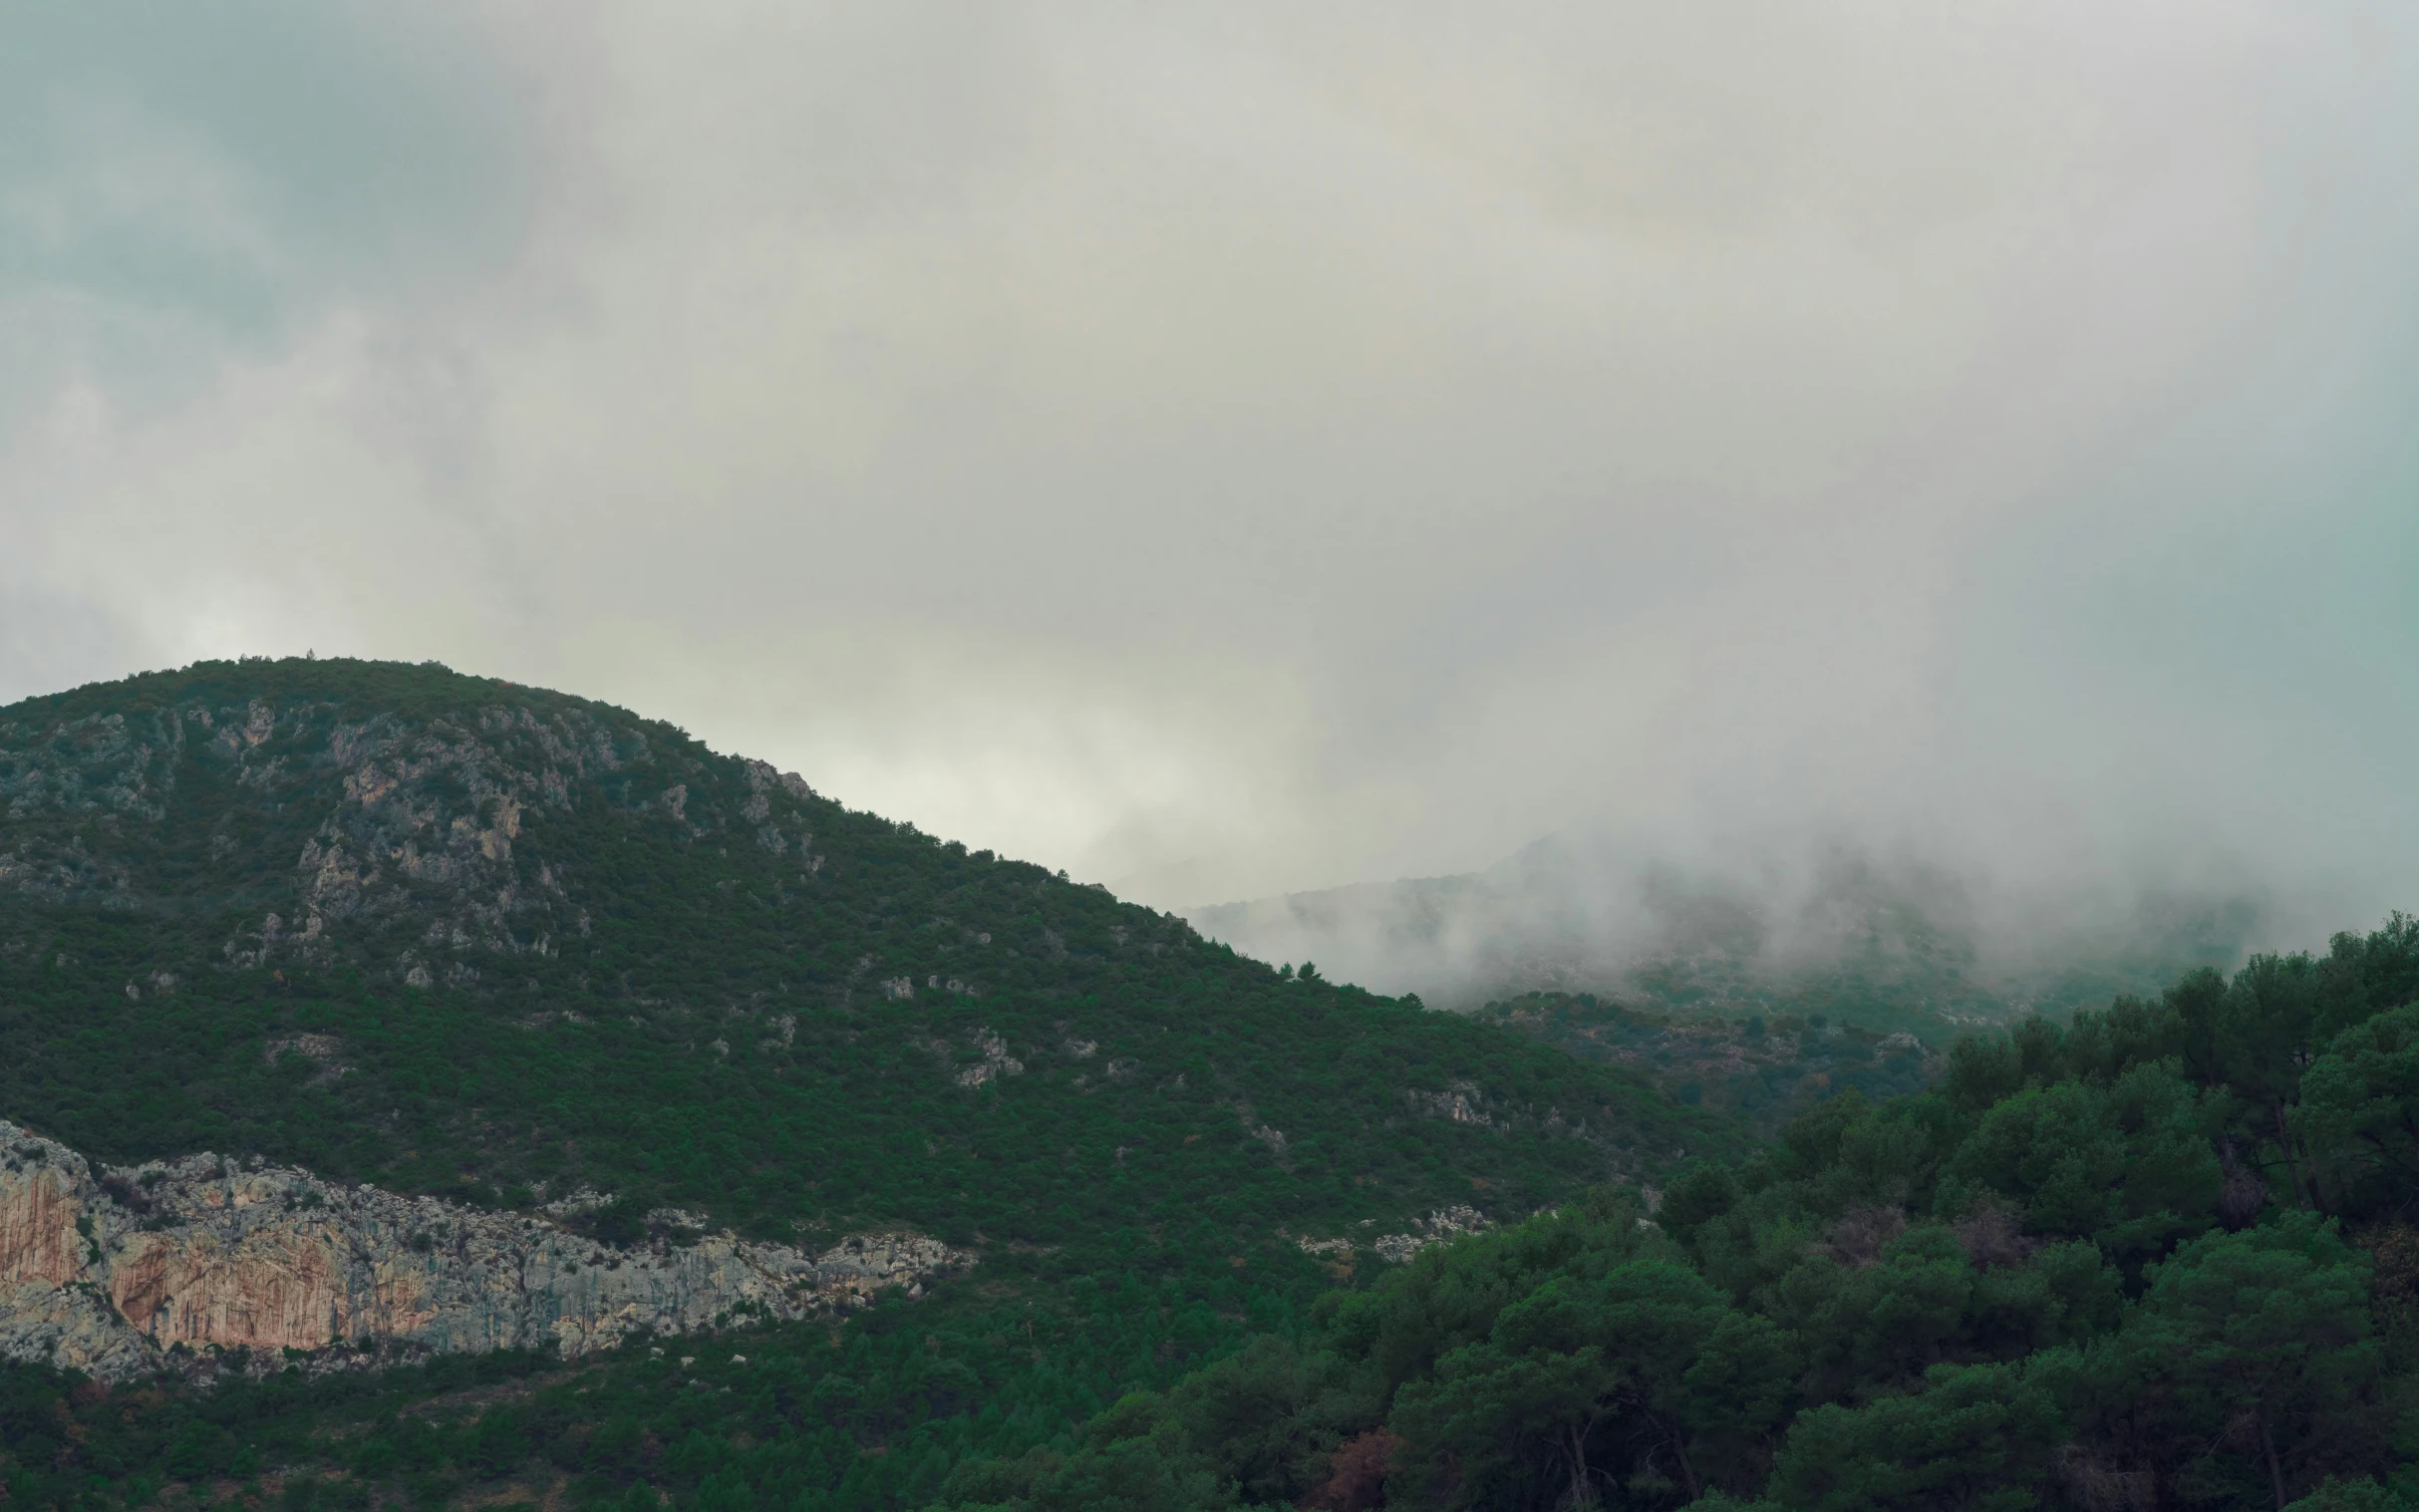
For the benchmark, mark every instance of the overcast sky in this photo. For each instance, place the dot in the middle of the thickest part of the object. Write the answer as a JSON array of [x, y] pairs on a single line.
[[1228, 447]]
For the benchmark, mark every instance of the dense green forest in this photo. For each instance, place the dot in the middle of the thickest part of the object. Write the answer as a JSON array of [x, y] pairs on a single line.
[[1765, 1070], [2159, 1256]]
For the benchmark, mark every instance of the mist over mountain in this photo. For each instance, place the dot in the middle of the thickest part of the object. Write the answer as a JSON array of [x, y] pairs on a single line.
[[1826, 926], [427, 1089], [1837, 576]]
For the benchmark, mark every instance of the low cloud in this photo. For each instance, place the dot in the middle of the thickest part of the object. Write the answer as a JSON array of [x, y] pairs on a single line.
[[1234, 449]]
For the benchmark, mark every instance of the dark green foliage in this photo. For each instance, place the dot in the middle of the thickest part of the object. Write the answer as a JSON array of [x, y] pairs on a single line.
[[2128, 1165], [2269, 1325], [2359, 1108], [1974, 1437], [1649, 1344], [1765, 1072], [871, 1412], [2154, 1258]]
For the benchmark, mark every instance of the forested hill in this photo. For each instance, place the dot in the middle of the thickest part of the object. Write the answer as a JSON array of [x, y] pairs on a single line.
[[551, 945], [451, 936]]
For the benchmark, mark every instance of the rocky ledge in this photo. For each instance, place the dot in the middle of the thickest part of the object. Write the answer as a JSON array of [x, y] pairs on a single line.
[[118, 1272]]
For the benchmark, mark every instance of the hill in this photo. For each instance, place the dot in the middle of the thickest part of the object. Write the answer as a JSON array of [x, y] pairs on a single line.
[[524, 959]]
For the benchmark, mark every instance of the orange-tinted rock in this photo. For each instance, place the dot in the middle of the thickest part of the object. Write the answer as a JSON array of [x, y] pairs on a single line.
[[107, 1278], [39, 1206]]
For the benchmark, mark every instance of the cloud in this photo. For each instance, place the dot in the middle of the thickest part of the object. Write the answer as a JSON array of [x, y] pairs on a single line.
[[1226, 449]]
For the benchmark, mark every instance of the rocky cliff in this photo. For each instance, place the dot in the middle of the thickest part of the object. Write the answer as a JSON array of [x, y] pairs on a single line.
[[121, 1270]]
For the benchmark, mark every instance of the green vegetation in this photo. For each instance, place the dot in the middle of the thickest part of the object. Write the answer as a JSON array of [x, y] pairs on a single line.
[[2159, 1257], [861, 1026], [1765, 1071], [872, 1412], [501, 945]]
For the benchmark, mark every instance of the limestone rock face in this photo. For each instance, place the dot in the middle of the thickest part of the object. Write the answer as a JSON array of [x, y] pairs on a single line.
[[107, 1271]]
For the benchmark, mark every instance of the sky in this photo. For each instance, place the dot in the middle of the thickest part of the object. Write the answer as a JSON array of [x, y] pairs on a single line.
[[1236, 447]]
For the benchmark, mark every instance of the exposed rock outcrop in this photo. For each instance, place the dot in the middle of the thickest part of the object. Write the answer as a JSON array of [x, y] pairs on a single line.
[[1436, 1228], [410, 838], [110, 1271]]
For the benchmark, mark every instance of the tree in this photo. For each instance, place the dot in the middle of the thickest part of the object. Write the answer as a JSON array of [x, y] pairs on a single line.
[[1651, 1347], [1267, 1419], [1976, 1436], [2359, 1109], [1884, 1320], [2255, 1036], [2365, 975], [1701, 1194], [2059, 1294], [2269, 1325], [2128, 1166]]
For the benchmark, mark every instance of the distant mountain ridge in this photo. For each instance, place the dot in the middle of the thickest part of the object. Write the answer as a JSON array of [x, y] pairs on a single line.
[[1840, 933]]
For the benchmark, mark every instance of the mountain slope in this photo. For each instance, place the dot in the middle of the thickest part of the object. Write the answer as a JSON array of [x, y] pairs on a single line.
[[505, 947], [2157, 1256]]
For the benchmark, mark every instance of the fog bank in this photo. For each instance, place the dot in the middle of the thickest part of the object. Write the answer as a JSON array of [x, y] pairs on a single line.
[[1231, 449]]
